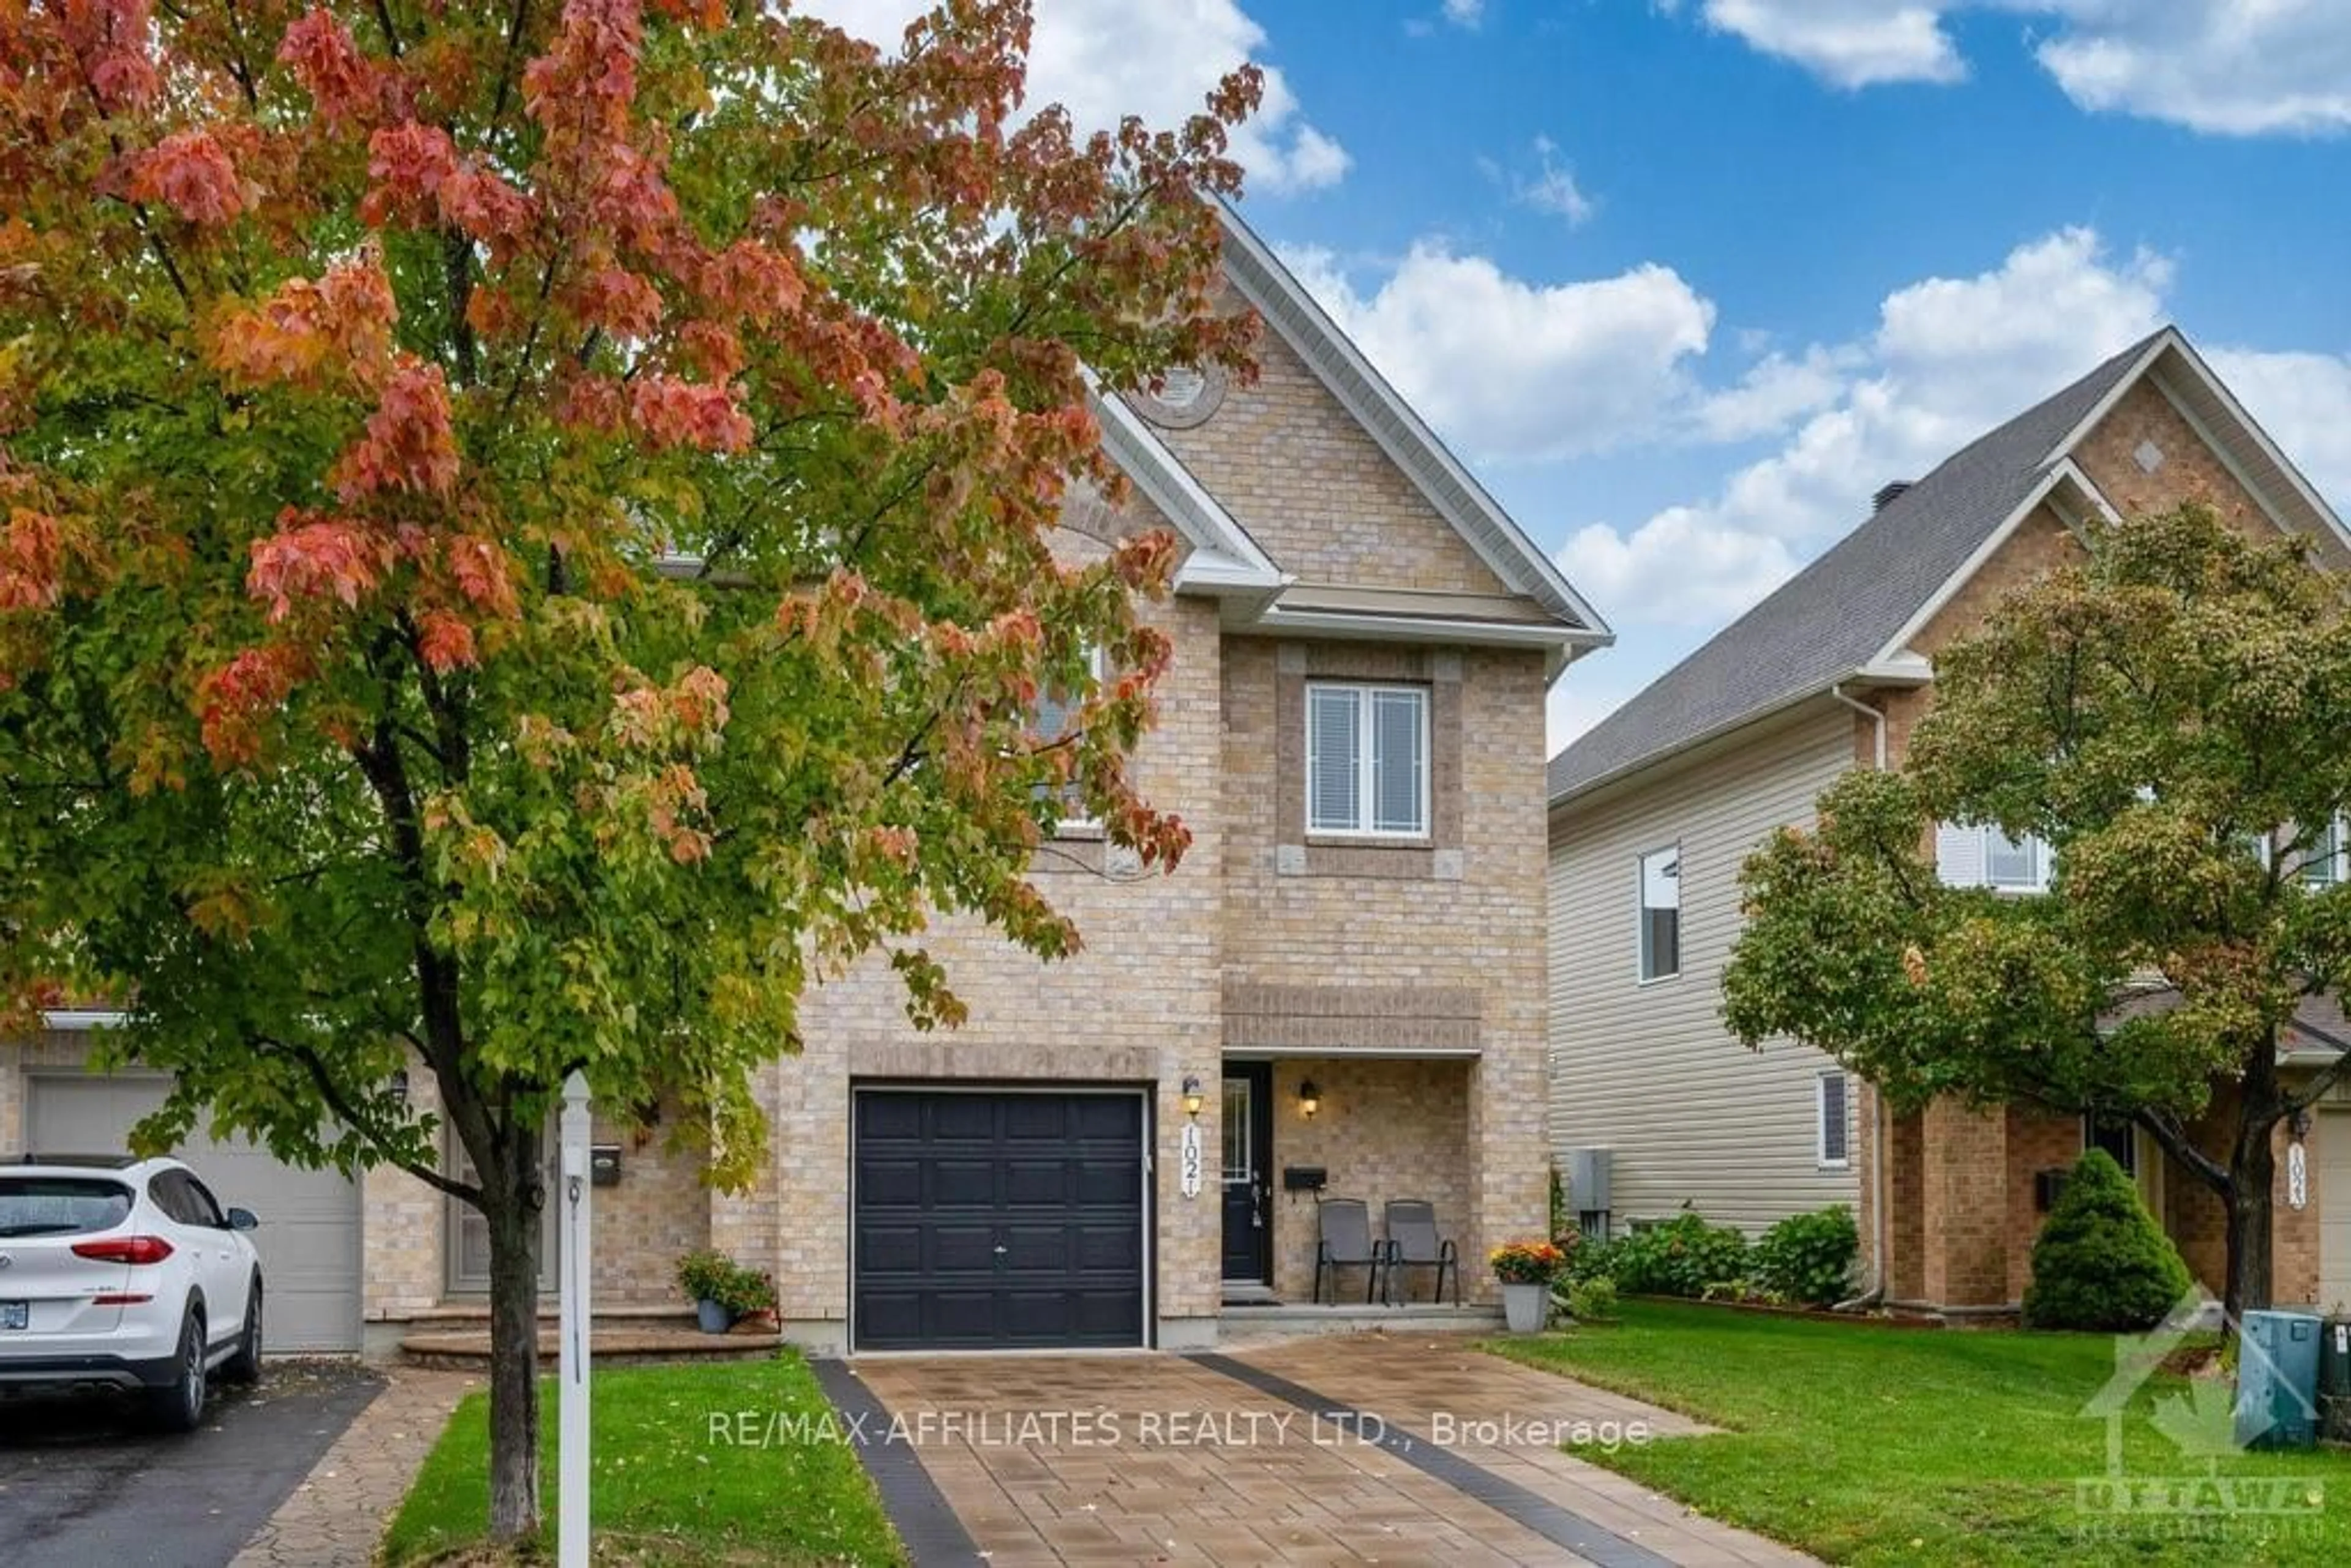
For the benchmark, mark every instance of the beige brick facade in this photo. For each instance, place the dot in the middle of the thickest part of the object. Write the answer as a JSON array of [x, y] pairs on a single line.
[[1406, 977]]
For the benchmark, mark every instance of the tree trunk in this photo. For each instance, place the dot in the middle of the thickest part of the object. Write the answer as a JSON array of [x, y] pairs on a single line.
[[2252, 1172], [511, 1201]]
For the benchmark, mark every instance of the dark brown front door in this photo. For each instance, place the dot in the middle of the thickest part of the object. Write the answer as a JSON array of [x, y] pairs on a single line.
[[1249, 1173]]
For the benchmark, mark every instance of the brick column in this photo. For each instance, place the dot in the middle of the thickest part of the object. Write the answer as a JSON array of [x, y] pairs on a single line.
[[1964, 1168], [1510, 1174]]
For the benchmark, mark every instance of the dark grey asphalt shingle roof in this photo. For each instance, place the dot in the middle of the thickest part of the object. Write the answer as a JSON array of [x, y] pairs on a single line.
[[1834, 616]]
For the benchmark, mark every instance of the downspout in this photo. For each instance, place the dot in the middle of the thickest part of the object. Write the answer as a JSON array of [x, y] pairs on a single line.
[[1874, 1291]]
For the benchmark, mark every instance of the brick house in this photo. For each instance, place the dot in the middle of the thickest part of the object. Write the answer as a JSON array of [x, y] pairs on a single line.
[[1347, 969], [1652, 812]]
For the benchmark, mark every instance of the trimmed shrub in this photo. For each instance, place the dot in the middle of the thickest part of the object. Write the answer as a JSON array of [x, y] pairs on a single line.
[[1592, 1301], [2101, 1261], [1807, 1258], [1682, 1257]]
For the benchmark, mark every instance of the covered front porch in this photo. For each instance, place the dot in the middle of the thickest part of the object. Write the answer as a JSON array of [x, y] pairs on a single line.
[[1297, 1132]]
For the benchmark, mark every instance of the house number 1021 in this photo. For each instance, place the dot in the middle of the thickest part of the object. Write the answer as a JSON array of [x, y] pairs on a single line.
[[1188, 1167]]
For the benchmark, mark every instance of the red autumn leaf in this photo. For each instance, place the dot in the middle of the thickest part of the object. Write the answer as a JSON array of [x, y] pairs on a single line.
[[444, 641], [321, 52], [409, 444], [315, 557], [191, 173], [480, 567], [674, 412]]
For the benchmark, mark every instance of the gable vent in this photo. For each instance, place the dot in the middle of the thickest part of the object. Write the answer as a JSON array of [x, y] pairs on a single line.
[[1887, 495]]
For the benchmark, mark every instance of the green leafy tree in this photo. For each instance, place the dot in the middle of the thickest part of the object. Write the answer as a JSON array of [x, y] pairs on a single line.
[[2168, 713], [526, 545], [2101, 1261]]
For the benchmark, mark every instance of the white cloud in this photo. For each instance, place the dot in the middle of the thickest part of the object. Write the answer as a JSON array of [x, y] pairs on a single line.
[[2239, 68], [1851, 43], [1775, 392], [1104, 59], [1465, 13], [1513, 371], [1950, 358], [1680, 567], [1551, 188], [2304, 401]]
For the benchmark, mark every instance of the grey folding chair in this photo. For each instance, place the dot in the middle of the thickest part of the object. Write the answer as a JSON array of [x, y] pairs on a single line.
[[1412, 1243], [1344, 1242]]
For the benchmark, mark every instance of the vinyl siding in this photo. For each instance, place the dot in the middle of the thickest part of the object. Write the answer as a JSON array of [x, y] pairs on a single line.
[[1649, 1072]]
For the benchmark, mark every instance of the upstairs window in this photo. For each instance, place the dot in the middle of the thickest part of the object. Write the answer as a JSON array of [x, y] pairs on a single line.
[[1982, 856], [1661, 914], [1055, 718], [1835, 1145], [2322, 863], [1368, 760]]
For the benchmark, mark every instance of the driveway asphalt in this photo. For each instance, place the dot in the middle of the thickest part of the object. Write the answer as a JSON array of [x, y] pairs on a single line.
[[83, 1483]]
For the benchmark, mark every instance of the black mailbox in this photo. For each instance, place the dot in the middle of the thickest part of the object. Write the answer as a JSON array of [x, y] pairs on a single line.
[[1304, 1178], [603, 1165]]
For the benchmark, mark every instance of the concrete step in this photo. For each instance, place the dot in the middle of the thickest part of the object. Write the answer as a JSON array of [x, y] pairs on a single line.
[[623, 1343]]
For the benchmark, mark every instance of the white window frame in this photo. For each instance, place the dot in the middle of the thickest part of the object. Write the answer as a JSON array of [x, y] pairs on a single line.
[[2337, 844], [1366, 695], [1074, 817], [1641, 915], [1820, 1119], [2043, 858]]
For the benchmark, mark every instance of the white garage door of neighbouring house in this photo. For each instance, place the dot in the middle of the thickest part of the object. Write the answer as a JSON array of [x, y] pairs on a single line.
[[2332, 1152], [310, 1235]]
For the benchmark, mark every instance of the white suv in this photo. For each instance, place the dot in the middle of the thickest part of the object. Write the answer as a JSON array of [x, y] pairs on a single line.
[[125, 1274]]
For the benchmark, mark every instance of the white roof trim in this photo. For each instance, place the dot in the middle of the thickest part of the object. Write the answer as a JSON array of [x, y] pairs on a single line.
[[2171, 340], [2162, 342], [1224, 557], [2270, 449], [1422, 629], [1498, 541], [1898, 647]]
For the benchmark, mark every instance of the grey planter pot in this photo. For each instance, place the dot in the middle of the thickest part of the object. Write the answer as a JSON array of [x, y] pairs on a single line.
[[711, 1317], [1524, 1307]]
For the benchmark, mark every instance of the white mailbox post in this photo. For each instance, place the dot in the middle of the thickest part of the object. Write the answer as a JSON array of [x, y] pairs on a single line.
[[571, 1467]]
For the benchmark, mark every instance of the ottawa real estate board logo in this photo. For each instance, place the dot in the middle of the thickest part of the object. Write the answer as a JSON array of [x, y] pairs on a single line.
[[2184, 1485]]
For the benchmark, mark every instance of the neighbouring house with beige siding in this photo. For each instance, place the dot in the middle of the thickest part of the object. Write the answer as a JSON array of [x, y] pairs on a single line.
[[1642, 1067], [1653, 812], [1338, 993]]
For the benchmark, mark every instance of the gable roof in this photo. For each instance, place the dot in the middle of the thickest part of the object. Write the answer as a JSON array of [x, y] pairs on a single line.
[[1288, 310], [1850, 612]]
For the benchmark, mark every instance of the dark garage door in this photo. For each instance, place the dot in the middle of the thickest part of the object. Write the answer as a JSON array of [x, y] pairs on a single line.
[[998, 1220]]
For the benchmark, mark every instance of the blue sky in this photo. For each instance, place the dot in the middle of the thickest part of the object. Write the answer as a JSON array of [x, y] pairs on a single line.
[[1684, 280]]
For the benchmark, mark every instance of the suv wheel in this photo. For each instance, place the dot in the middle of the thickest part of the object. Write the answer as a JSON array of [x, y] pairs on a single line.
[[244, 1366], [179, 1405]]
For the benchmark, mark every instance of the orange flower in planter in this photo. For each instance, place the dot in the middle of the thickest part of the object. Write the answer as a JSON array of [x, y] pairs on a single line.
[[1528, 1263]]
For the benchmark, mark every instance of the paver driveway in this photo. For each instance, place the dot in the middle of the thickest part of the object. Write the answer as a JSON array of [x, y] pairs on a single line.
[[1247, 1458]]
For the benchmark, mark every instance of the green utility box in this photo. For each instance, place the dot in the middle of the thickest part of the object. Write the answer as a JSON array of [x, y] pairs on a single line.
[[2277, 1381], [2335, 1379]]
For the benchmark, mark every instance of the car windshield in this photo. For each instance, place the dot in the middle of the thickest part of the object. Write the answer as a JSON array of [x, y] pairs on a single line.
[[60, 1206]]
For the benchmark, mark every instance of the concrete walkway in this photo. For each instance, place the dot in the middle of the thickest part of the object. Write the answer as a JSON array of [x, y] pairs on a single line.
[[334, 1518], [1362, 1449]]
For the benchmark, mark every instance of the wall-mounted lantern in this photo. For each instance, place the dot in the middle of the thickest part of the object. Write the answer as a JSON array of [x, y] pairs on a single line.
[[1193, 1099], [1310, 1098]]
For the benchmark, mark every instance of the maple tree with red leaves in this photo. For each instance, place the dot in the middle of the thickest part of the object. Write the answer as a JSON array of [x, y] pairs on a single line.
[[526, 545]]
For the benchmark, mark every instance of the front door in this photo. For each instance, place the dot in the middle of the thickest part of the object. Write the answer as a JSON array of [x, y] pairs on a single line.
[[1249, 1173], [468, 1231]]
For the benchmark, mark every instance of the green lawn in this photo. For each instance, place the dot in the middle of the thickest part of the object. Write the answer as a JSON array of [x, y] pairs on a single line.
[[1884, 1446], [693, 1465]]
